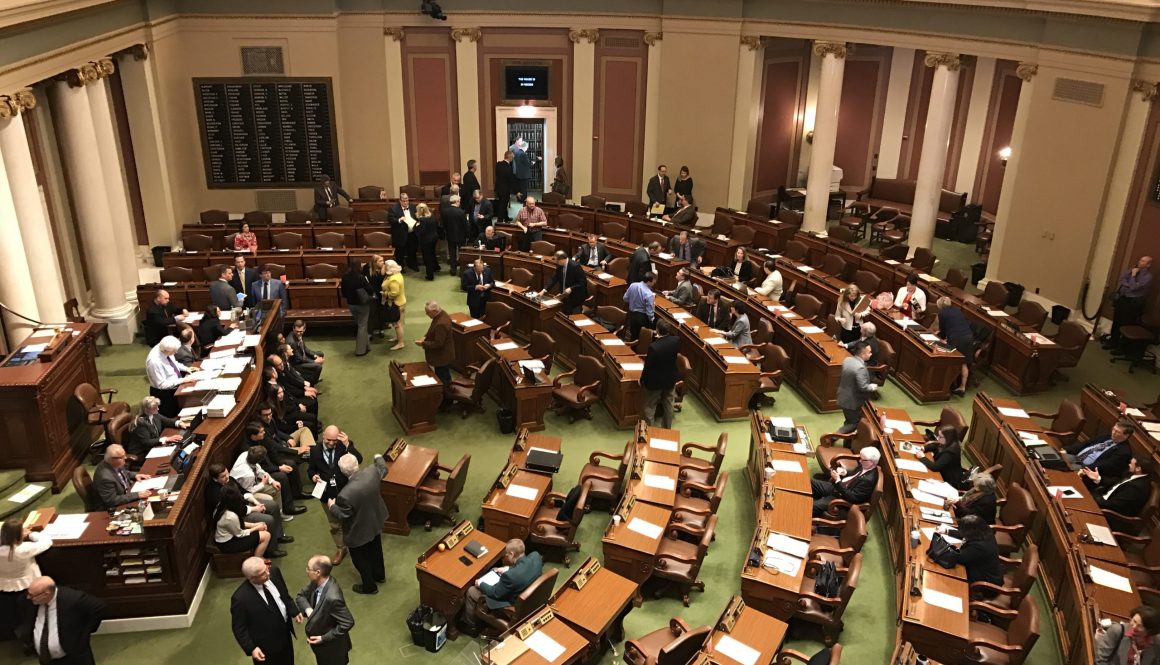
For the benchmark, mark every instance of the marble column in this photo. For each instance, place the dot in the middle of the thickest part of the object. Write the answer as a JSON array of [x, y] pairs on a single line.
[[1026, 72], [583, 110], [932, 163], [652, 106], [35, 230], [82, 155], [16, 287], [833, 57], [396, 115], [894, 116], [749, 62], [104, 124], [467, 81]]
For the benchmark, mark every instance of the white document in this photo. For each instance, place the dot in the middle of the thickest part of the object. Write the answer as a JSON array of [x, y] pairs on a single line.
[[1109, 579], [500, 282], [639, 367], [927, 337], [665, 255], [789, 466], [319, 489], [997, 313], [924, 497], [909, 464], [943, 600], [644, 528], [545, 647], [782, 562], [663, 444], [681, 316], [789, 315], [659, 482], [1135, 413], [319, 281], [189, 412], [1101, 534], [612, 341], [580, 323], [1012, 413], [737, 360], [802, 448], [506, 346], [806, 269], [220, 406], [521, 492], [929, 532], [939, 489], [788, 545], [66, 530], [1068, 491], [933, 515], [224, 353], [781, 421], [550, 302], [155, 483], [251, 340], [811, 330], [901, 426], [34, 348], [490, 579], [160, 451], [738, 651], [471, 323], [534, 365], [604, 276], [715, 341], [890, 262], [928, 278], [27, 493], [424, 380]]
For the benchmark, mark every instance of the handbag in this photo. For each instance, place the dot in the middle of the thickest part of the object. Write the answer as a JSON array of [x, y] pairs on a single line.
[[826, 583], [391, 313], [941, 552]]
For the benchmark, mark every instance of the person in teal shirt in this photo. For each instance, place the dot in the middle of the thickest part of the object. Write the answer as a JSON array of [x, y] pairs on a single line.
[[517, 573]]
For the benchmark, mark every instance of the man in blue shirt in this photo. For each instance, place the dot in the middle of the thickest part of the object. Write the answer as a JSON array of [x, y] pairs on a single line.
[[1129, 297], [639, 297], [1107, 458]]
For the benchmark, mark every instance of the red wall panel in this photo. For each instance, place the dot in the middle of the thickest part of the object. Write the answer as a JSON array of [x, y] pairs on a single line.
[[619, 127], [432, 113], [780, 125], [856, 120]]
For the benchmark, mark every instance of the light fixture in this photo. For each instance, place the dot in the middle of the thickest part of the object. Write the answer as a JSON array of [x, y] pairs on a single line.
[[432, 9], [526, 111], [1005, 154]]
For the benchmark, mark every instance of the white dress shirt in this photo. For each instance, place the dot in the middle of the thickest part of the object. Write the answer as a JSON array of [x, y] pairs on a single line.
[[250, 476], [46, 619], [917, 301], [164, 372], [18, 568], [273, 594], [1107, 495]]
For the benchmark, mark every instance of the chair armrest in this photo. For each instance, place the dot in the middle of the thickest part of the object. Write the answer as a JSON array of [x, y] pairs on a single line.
[[1135, 540], [690, 511], [589, 387], [837, 524], [594, 458], [1155, 570], [688, 486], [549, 521], [786, 656], [843, 552], [810, 595], [997, 588], [828, 440], [432, 491], [1004, 648], [697, 446], [775, 374], [748, 347], [554, 495], [440, 467], [560, 378], [109, 391], [1005, 528], [1123, 518], [925, 423], [984, 606], [674, 527], [1039, 414]]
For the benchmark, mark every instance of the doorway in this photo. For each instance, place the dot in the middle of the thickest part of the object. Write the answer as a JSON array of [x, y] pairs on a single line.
[[536, 125]]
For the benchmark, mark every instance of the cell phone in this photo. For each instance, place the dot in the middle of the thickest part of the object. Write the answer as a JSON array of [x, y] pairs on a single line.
[[465, 561]]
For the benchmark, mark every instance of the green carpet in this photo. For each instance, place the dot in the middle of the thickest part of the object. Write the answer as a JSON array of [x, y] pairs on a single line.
[[357, 398]]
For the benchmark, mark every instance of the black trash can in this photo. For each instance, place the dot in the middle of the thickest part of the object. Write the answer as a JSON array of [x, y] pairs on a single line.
[[978, 272], [507, 420], [434, 631], [415, 624], [1059, 314], [1014, 293], [159, 255]]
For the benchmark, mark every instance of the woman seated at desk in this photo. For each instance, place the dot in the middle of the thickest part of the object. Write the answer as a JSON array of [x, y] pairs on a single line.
[[1133, 643], [210, 328], [945, 456], [231, 533], [740, 269], [978, 552], [911, 300], [979, 500], [771, 284], [245, 240], [853, 308]]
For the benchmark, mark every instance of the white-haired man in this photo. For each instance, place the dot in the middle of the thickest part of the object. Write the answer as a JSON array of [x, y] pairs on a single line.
[[147, 430], [165, 374], [113, 482], [262, 613], [362, 511], [456, 229], [853, 485]]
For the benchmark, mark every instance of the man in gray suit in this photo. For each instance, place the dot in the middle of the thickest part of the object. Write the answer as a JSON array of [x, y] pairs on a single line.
[[323, 609], [360, 508], [855, 388], [221, 292], [112, 481]]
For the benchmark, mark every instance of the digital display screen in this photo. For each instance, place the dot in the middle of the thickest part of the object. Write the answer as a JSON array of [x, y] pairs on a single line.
[[524, 82]]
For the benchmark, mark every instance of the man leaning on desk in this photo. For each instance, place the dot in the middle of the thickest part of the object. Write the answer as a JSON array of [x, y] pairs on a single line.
[[499, 590]]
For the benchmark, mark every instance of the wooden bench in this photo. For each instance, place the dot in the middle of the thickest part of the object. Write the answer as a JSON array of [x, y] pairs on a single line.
[[321, 316], [226, 565]]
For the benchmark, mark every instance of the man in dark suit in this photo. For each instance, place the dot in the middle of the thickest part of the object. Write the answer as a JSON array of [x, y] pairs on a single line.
[[243, 277], [326, 195], [222, 292], [659, 186], [438, 345], [854, 485], [305, 359], [1127, 495], [496, 242], [477, 282], [659, 377], [159, 316], [479, 213], [593, 253], [1107, 457], [641, 261], [572, 281], [446, 190], [322, 607], [262, 613], [522, 167], [854, 386], [684, 248], [362, 511], [112, 481], [455, 228], [322, 467], [60, 623], [470, 185], [296, 386], [505, 184], [686, 214], [401, 217], [268, 288], [518, 572], [147, 428], [712, 312]]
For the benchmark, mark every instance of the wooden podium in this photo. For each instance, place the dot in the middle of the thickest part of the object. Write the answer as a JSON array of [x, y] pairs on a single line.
[[42, 428], [415, 407]]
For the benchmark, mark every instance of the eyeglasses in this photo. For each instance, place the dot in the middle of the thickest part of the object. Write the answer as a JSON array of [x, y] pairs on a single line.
[[117, 457]]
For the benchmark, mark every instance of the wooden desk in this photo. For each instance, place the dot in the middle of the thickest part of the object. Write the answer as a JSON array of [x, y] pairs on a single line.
[[415, 407], [766, 590], [314, 293], [527, 401], [932, 629], [664, 479], [921, 366], [631, 554], [576, 647], [752, 628], [466, 339], [525, 442], [599, 608], [507, 516], [762, 446], [400, 487], [444, 579], [660, 445], [528, 315]]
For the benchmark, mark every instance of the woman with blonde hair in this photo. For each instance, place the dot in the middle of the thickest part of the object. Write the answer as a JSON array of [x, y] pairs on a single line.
[[394, 296], [850, 313], [375, 272]]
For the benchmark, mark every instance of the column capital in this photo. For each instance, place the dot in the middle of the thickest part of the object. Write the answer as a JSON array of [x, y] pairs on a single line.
[[105, 67], [935, 59], [138, 51], [1147, 89], [12, 105], [651, 38], [588, 34], [752, 42], [837, 49], [470, 34], [394, 33], [1026, 71]]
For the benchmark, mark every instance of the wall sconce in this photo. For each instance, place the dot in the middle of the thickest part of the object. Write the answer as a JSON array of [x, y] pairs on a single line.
[[1005, 154]]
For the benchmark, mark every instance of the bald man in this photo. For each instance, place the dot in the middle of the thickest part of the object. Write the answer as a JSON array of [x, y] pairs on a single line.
[[262, 613], [532, 221], [61, 623], [322, 467]]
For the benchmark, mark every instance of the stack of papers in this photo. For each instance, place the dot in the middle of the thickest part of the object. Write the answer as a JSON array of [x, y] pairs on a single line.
[[471, 323], [738, 651], [1031, 439], [924, 497], [424, 380], [811, 330], [997, 313], [34, 348], [233, 338], [737, 360], [545, 647], [550, 302], [943, 600], [806, 269], [1109, 579], [67, 527], [631, 367], [223, 353], [904, 427], [612, 341], [929, 531], [909, 464], [905, 323], [645, 528], [681, 316], [27, 493], [521, 492], [604, 276], [580, 323], [189, 412], [220, 406], [939, 488], [715, 341], [234, 365], [160, 451], [534, 365], [506, 346], [935, 515], [251, 341], [660, 482], [154, 483], [927, 337], [1012, 413], [1101, 534], [789, 466], [662, 444], [788, 545]]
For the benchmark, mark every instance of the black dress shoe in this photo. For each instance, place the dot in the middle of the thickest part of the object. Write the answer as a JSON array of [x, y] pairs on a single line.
[[285, 539], [275, 554], [296, 510], [381, 581], [303, 496], [358, 588]]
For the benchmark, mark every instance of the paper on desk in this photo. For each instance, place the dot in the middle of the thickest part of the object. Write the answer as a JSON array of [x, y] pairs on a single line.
[[644, 528], [580, 323], [890, 262], [1068, 491], [189, 412], [806, 269], [789, 466], [905, 323], [604, 276], [471, 323], [1101, 534], [928, 278], [802, 448], [997, 313], [909, 464], [612, 341], [160, 451], [639, 367], [1153, 428], [1031, 439], [224, 353], [788, 545], [927, 337], [810, 330], [934, 515], [67, 527], [491, 578], [1134, 412], [34, 348], [235, 365], [506, 346], [789, 315], [193, 317], [545, 647], [737, 360], [659, 482], [929, 531], [155, 483], [738, 651], [319, 489], [781, 421], [715, 341], [27, 493], [534, 365], [550, 302], [782, 562], [319, 281], [521, 492], [500, 282], [939, 489], [1012, 413], [900, 426], [943, 600], [1109, 579], [925, 497], [662, 444], [681, 316], [251, 340], [424, 380]]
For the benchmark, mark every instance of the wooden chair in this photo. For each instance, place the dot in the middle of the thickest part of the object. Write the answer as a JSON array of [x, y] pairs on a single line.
[[257, 218], [210, 273], [614, 318], [439, 496], [855, 221], [886, 357], [176, 274], [867, 282], [226, 565], [553, 199], [774, 362], [842, 233], [643, 341], [983, 235], [613, 230], [683, 369], [807, 306], [322, 271], [833, 265], [742, 234], [993, 645], [830, 446], [287, 240], [376, 240], [880, 222], [531, 599], [340, 214], [498, 315], [636, 207], [839, 549], [570, 222], [949, 416], [415, 192], [576, 398], [956, 278], [594, 202], [605, 484], [1067, 422], [378, 216], [722, 226], [300, 217], [547, 530], [1032, 314], [826, 612], [895, 252], [795, 250], [1143, 555], [330, 240], [675, 644], [543, 248], [897, 230], [1071, 339], [618, 267], [197, 242], [650, 237], [82, 482], [520, 277], [277, 270], [923, 260], [995, 295], [788, 656], [679, 562], [469, 393], [118, 433], [370, 193], [833, 328], [542, 348], [1017, 512], [696, 503], [697, 470], [99, 413], [761, 334], [1004, 599], [214, 217]]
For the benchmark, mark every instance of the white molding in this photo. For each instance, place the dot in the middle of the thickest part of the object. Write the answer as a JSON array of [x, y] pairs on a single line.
[[26, 11]]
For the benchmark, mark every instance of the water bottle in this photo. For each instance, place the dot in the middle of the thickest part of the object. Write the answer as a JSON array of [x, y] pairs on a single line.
[[882, 418], [914, 538]]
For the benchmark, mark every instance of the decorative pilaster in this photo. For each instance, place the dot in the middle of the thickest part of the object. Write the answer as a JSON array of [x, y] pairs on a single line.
[[396, 118], [933, 159], [466, 34], [652, 111], [1026, 71], [749, 67], [751, 42], [467, 85], [396, 34], [17, 290], [589, 35], [833, 57], [583, 114], [651, 38], [1146, 89]]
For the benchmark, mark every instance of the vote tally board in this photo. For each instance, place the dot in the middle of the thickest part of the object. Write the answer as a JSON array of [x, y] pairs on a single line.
[[266, 132]]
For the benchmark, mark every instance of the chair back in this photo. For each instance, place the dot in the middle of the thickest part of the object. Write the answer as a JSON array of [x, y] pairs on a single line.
[[951, 416], [849, 584], [1019, 510], [956, 278], [612, 314], [1070, 417], [543, 347], [176, 274], [197, 242], [644, 340], [568, 221], [578, 512], [287, 240], [718, 492], [543, 248], [651, 237], [593, 201], [884, 214], [330, 239], [376, 240], [340, 213], [618, 267], [521, 277], [834, 265], [1032, 314], [896, 252], [833, 328], [841, 233], [277, 270], [497, 313], [82, 483], [923, 260], [370, 193], [322, 271], [299, 217], [636, 207], [589, 370], [257, 217], [553, 199], [455, 483], [763, 333], [88, 396], [795, 250], [853, 534], [1024, 630], [683, 367], [743, 235], [483, 381], [378, 216], [412, 191], [722, 225], [867, 282], [773, 358], [886, 354], [613, 230], [119, 427], [684, 647], [790, 216], [214, 217], [995, 295], [807, 306], [1023, 577], [211, 273], [534, 597]]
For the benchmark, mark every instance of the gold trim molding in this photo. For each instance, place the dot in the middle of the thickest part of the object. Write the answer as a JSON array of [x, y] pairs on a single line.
[[470, 34], [394, 33], [19, 101], [752, 42], [1147, 89], [651, 38], [935, 59], [836, 49], [589, 34], [1026, 71]]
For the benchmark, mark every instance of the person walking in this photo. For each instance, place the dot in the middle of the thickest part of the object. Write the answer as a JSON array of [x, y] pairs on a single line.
[[356, 290], [362, 511]]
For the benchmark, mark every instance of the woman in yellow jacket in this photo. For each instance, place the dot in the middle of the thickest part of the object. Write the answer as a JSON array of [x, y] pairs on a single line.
[[394, 293]]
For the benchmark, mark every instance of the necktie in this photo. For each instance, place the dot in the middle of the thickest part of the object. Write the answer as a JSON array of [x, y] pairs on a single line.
[[173, 364], [269, 597], [685, 252], [329, 198], [1089, 455], [317, 596], [848, 479], [42, 651], [329, 458], [266, 290]]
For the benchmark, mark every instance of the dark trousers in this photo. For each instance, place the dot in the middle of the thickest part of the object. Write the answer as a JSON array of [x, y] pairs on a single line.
[[453, 256], [852, 416], [368, 561], [1125, 312], [430, 263], [444, 374], [476, 307], [322, 212], [291, 487], [13, 605], [280, 654], [522, 187], [169, 406], [636, 321], [412, 253], [823, 491], [502, 201]]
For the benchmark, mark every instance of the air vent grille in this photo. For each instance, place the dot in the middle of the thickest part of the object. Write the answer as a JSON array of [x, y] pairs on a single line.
[[1079, 92], [276, 200], [623, 42], [262, 60]]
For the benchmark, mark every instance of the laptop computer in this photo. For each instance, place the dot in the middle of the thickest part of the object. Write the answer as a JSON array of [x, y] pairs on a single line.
[[544, 461]]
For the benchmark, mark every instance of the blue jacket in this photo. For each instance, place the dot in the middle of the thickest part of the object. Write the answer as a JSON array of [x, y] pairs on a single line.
[[513, 582], [277, 291]]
